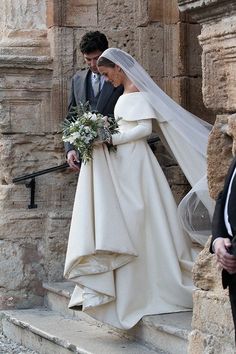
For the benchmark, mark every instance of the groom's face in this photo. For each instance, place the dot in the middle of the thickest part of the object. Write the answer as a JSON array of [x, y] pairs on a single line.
[[91, 60]]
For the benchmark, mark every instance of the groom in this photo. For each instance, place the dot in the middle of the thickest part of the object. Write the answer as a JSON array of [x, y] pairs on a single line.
[[223, 231], [89, 86]]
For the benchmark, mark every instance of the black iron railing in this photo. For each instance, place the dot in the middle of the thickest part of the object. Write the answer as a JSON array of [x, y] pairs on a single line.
[[31, 176], [31, 184]]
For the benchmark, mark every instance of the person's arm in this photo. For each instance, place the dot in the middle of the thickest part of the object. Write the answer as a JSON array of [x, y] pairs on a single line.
[[221, 243], [218, 225], [72, 157], [142, 130]]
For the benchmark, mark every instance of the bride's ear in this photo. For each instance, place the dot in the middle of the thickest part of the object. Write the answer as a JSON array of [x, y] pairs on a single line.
[[118, 67]]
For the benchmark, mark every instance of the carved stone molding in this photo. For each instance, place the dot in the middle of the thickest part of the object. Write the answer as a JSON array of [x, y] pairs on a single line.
[[207, 10], [23, 28]]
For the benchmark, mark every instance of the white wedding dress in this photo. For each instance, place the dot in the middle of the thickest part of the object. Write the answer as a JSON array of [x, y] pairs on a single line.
[[126, 252]]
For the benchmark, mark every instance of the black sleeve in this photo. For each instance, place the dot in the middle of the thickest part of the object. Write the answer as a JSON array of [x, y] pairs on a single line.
[[218, 224], [71, 106]]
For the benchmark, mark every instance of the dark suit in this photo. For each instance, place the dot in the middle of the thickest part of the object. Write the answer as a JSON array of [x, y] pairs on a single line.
[[219, 230], [106, 101]]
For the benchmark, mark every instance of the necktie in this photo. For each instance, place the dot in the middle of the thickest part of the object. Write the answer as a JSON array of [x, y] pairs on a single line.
[[232, 206], [96, 84]]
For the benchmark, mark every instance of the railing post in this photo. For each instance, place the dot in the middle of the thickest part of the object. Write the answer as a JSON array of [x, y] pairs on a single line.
[[31, 185]]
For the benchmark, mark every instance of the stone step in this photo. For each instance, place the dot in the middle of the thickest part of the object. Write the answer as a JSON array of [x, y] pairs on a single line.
[[48, 332], [168, 331]]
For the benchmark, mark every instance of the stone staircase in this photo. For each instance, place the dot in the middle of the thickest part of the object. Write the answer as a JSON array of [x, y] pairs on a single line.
[[55, 329]]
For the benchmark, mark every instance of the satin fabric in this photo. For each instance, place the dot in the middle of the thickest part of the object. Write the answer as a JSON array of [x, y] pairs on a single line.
[[127, 253]]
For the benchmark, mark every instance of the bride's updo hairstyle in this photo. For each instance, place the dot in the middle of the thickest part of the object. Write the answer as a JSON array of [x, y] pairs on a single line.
[[121, 58], [102, 61]]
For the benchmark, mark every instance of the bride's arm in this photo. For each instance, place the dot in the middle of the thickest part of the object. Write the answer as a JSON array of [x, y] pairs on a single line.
[[142, 130]]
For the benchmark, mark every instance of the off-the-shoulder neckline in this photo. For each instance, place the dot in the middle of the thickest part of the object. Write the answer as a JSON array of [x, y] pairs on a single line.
[[131, 93]]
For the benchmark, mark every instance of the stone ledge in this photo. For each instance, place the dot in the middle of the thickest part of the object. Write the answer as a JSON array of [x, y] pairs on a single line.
[[22, 61], [167, 331], [43, 328]]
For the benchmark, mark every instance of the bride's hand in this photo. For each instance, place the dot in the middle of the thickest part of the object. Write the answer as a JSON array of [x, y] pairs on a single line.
[[104, 136]]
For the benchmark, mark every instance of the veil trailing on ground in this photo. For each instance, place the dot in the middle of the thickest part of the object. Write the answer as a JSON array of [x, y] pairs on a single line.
[[186, 136]]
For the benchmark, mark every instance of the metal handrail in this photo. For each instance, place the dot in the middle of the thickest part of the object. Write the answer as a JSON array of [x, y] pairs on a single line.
[[40, 173], [31, 176], [32, 183]]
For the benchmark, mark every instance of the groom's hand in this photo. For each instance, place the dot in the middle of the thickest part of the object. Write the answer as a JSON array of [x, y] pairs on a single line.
[[73, 161], [224, 258]]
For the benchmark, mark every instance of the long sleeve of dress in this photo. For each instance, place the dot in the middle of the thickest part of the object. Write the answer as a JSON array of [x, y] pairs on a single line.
[[142, 130]]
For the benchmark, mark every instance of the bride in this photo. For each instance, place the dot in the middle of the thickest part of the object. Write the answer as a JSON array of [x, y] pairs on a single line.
[[128, 253]]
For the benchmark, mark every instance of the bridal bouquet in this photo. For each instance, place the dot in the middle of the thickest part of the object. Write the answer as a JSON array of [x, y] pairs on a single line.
[[85, 127]]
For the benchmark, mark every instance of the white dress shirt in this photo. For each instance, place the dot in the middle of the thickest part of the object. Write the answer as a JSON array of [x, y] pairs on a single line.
[[226, 217], [97, 81]]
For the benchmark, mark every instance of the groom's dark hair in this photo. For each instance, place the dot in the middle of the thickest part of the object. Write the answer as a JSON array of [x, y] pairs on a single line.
[[93, 41]]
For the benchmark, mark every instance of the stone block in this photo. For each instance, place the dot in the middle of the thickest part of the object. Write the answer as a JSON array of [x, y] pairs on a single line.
[[22, 273], [162, 11], [23, 224], [182, 50], [200, 343], [187, 92], [172, 86], [212, 313], [50, 193], [219, 155], [219, 65], [25, 101], [143, 11], [149, 53], [115, 16], [206, 272], [57, 225], [24, 154], [72, 13], [192, 99], [170, 11]]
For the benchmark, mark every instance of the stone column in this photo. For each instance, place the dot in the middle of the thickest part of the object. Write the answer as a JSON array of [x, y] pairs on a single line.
[[32, 104], [22, 28], [212, 323]]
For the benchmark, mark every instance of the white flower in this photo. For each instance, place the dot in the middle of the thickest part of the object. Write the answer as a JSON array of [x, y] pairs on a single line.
[[82, 131], [86, 129], [94, 117]]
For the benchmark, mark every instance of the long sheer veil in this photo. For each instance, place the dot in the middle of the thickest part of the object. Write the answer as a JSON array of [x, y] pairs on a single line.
[[187, 138]]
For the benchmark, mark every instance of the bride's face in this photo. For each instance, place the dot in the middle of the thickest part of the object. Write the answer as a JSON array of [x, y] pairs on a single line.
[[114, 75]]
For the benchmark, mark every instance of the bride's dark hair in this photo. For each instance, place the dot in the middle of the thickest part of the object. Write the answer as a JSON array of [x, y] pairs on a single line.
[[102, 61]]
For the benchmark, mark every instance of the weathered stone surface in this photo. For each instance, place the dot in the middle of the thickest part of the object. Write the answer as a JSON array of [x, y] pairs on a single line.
[[23, 28], [39, 52], [22, 273], [202, 278], [213, 330], [219, 154], [149, 49]]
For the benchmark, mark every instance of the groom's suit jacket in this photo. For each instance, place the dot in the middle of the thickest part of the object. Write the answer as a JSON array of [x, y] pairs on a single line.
[[79, 88], [218, 223]]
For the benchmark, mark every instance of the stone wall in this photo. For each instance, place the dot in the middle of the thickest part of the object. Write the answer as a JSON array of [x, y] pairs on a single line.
[[213, 330], [38, 56]]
